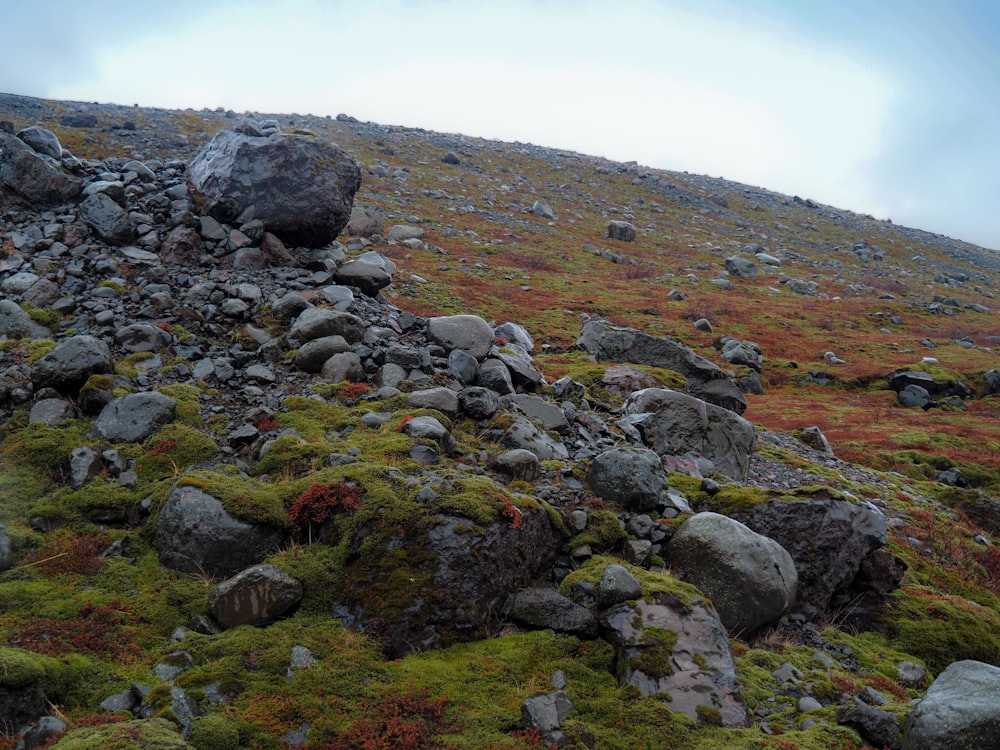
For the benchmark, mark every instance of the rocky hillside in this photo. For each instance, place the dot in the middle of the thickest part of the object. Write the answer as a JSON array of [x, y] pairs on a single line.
[[323, 434]]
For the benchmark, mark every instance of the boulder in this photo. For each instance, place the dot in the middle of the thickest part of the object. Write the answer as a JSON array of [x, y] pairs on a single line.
[[676, 424], [479, 402], [741, 267], [343, 366], [617, 585], [133, 418], [678, 650], [961, 709], [316, 322], [937, 388], [42, 141], [517, 334], [255, 596], [301, 187], [518, 464], [195, 534], [16, 323], [495, 375], [367, 276], [109, 220], [828, 539], [33, 177], [443, 399], [877, 727], [313, 354], [470, 333], [542, 210], [67, 367], [750, 578], [548, 415], [143, 337], [545, 608], [524, 434], [618, 344], [518, 361], [621, 230], [365, 222], [630, 476]]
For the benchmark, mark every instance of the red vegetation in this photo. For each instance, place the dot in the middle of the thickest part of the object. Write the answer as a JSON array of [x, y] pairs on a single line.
[[64, 552], [163, 446], [318, 504], [952, 550], [265, 422], [98, 629], [402, 423], [396, 722], [513, 516], [353, 391]]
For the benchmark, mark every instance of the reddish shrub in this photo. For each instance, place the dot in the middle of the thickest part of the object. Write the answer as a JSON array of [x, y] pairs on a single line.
[[65, 552], [317, 504], [397, 722], [352, 391], [402, 423], [514, 517], [98, 629]]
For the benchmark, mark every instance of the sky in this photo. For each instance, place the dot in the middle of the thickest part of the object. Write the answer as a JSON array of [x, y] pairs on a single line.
[[887, 107]]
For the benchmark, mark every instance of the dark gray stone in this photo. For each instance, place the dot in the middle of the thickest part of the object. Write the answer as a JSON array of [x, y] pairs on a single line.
[[67, 367], [51, 411], [311, 356], [524, 434], [469, 333], [621, 230], [546, 608], [961, 709], [143, 337], [133, 418], [478, 402], [518, 464], [632, 477], [109, 220], [32, 176], [316, 322], [255, 596], [16, 323], [617, 585]]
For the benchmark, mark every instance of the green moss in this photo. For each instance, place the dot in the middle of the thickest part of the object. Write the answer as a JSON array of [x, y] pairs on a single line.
[[243, 498], [108, 284], [141, 734], [709, 715], [43, 448], [603, 532], [47, 318], [289, 456], [188, 407], [214, 732], [653, 584], [172, 450], [38, 348], [20, 668]]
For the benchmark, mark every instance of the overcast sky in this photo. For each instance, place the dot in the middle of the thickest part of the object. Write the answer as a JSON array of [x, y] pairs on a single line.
[[889, 107]]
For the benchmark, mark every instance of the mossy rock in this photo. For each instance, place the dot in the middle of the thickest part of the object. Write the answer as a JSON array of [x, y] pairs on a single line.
[[142, 734], [214, 732], [604, 532]]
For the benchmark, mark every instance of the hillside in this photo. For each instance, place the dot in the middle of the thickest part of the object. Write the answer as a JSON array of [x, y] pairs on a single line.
[[471, 476]]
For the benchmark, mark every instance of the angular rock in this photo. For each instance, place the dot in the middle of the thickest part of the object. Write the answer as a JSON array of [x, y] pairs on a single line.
[[741, 267], [676, 424], [42, 141], [301, 187], [255, 596], [524, 434], [52, 411], [544, 412], [495, 375], [542, 210], [617, 585], [443, 399], [518, 361], [517, 334], [961, 709], [142, 337], [677, 650], [33, 177], [133, 418], [470, 333], [608, 342], [84, 465], [478, 402], [518, 465], [546, 608], [312, 355], [365, 221], [621, 230], [315, 322], [195, 534], [368, 277], [877, 727], [632, 477], [429, 428], [16, 323], [109, 220], [343, 366], [828, 539], [67, 367], [750, 578]]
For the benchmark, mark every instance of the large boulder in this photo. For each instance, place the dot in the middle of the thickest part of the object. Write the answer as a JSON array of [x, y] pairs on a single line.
[[318, 322], [828, 539], [630, 476], [16, 323], [751, 579], [676, 424], [618, 344], [110, 221], [67, 367], [547, 608], [301, 187], [133, 418], [961, 709], [678, 650], [195, 534], [36, 178], [470, 333], [524, 434], [255, 596], [421, 588]]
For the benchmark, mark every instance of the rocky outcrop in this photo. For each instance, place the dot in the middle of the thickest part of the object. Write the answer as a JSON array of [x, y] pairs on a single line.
[[750, 578], [302, 188], [961, 709], [35, 177], [676, 424], [608, 342]]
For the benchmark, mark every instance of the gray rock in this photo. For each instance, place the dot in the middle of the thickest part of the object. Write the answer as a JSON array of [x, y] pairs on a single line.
[[133, 418], [33, 177], [679, 651], [401, 232], [311, 356], [289, 306], [608, 342], [84, 465], [19, 283], [546, 712], [518, 361], [876, 727], [750, 578], [829, 540], [815, 439], [632, 477], [463, 366], [676, 424], [255, 596], [443, 399], [911, 674], [109, 220], [914, 395], [621, 230], [16, 323], [741, 267], [344, 366], [617, 585], [301, 187], [739, 352], [51, 411], [429, 428], [546, 608], [539, 410], [316, 322], [478, 402], [42, 293], [524, 434], [67, 367], [42, 141], [518, 464], [368, 277], [23, 703], [961, 709], [38, 734], [143, 337], [470, 333], [195, 534], [365, 221], [340, 297], [542, 210], [182, 246], [517, 334], [6, 550], [495, 375]]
